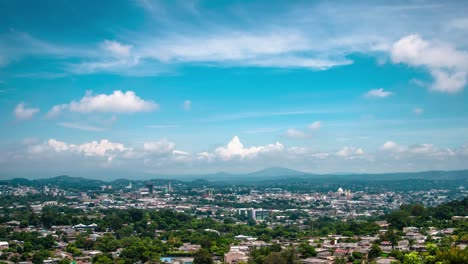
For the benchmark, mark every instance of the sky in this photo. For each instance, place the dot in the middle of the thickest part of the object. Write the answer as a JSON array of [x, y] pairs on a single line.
[[108, 88]]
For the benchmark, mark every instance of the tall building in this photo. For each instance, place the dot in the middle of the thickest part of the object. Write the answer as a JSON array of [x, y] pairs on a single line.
[[150, 186]]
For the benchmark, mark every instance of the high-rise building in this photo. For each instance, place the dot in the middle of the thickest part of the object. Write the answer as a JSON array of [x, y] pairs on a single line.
[[150, 186]]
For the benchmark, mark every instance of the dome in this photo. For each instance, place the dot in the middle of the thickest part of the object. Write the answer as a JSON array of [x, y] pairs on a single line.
[[340, 190]]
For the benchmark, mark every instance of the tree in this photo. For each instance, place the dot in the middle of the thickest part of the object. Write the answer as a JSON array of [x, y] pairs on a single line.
[[412, 258], [339, 260], [392, 237], [399, 219], [453, 256], [289, 255], [40, 256], [274, 258], [307, 250], [64, 261], [203, 256], [102, 259], [375, 251]]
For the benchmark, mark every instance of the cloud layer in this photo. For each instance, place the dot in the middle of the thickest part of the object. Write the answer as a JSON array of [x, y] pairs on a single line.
[[162, 156]]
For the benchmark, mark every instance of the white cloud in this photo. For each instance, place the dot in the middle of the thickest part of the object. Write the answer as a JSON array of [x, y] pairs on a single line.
[[349, 152], [315, 125], [235, 149], [416, 151], [389, 145], [227, 47], [448, 81], [23, 113], [380, 93], [162, 156], [58, 146], [447, 65], [275, 49], [160, 147], [56, 110], [294, 133], [418, 111], [103, 148], [187, 105], [117, 49], [117, 102]]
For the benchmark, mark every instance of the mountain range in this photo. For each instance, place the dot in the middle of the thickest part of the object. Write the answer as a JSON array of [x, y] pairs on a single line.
[[262, 176]]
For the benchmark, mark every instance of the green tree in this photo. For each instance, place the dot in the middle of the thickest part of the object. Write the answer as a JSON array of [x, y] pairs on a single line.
[[40, 256], [412, 258], [202, 256], [102, 259], [64, 261], [275, 258], [453, 256], [307, 250], [375, 251]]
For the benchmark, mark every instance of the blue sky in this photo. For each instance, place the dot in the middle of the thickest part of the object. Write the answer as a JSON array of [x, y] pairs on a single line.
[[189, 87]]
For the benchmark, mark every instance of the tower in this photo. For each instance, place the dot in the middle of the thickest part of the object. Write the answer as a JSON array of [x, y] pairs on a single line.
[[150, 186]]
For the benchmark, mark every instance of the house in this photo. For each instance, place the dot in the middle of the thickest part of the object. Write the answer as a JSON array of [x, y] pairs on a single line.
[[4, 244], [182, 261], [410, 229], [385, 260], [235, 256], [383, 224], [324, 254], [188, 247], [314, 261]]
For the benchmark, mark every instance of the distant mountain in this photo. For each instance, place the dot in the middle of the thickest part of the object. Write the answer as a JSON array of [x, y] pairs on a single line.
[[16, 181], [276, 172], [276, 175], [68, 181]]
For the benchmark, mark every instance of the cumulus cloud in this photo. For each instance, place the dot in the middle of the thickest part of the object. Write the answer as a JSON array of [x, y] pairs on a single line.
[[447, 65], [22, 112], [58, 146], [56, 110], [235, 149], [159, 147], [116, 102], [294, 133], [389, 145], [379, 93], [162, 156], [103, 148], [349, 152], [315, 125]]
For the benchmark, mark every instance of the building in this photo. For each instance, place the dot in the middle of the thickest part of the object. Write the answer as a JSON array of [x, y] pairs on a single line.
[[4, 245], [236, 256], [150, 187]]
